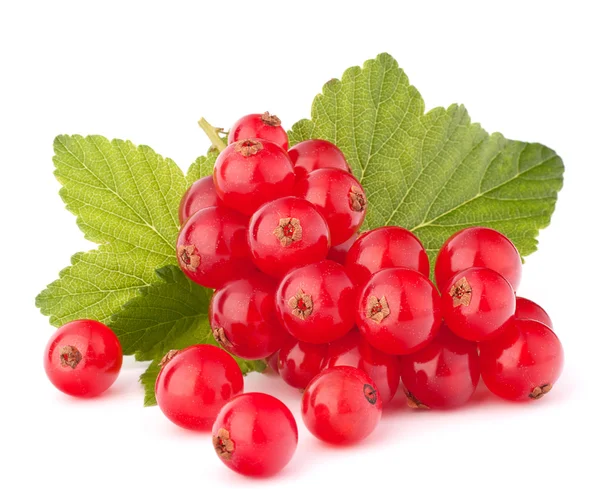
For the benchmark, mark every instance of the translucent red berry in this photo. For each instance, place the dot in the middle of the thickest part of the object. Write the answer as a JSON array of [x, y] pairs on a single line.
[[527, 309], [265, 126], [339, 252], [341, 405], [255, 434], [83, 358], [314, 154], [523, 363], [299, 362], [201, 194]]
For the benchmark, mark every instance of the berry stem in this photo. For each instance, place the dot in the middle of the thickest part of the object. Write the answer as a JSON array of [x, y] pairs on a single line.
[[213, 134]]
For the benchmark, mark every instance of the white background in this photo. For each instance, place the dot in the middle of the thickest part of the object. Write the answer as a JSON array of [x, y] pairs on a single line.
[[147, 72]]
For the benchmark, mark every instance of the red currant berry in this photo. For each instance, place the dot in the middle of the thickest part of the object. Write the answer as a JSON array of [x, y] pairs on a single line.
[[529, 310], [273, 363], [255, 434], [285, 233], [264, 126], [83, 358], [194, 384], [339, 197], [314, 154], [523, 362], [243, 319], [444, 374], [341, 405], [201, 194], [315, 302], [477, 303], [478, 247], [212, 248], [398, 311], [339, 252], [299, 362], [384, 248], [251, 172], [354, 350]]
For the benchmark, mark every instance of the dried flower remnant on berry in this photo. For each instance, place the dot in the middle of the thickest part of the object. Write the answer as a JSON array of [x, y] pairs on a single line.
[[223, 444], [377, 308], [221, 337], [168, 357], [301, 305], [370, 393], [270, 119], [288, 231], [189, 257], [461, 292], [70, 356], [248, 147], [357, 199], [540, 391], [413, 402]]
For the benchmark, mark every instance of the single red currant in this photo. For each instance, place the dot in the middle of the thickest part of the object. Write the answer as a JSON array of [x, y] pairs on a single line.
[[299, 362], [193, 384], [201, 194], [523, 363], [255, 434], [264, 126], [444, 374], [83, 358], [339, 252], [478, 247], [354, 350], [384, 248], [315, 302], [527, 309], [285, 233], [341, 405], [477, 303], [339, 197], [212, 248], [251, 172], [243, 319], [398, 311], [314, 154]]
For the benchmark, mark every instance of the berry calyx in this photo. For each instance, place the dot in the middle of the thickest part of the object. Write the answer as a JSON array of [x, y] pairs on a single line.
[[265, 126], [529, 310], [201, 194], [299, 362], [314, 154]]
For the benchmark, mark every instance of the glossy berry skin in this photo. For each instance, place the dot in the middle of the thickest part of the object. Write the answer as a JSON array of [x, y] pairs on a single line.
[[341, 405], [478, 247], [353, 350], [315, 303], [264, 126], [201, 194], [398, 311], [529, 310], [339, 252], [298, 362], [243, 319], [251, 172], [286, 233], [523, 363], [83, 358], [255, 434], [194, 384], [384, 248], [212, 248], [339, 197], [442, 375], [477, 303], [310, 155]]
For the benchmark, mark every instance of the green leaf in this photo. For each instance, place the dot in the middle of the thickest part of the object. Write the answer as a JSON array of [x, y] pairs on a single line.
[[202, 167], [148, 380], [436, 172]]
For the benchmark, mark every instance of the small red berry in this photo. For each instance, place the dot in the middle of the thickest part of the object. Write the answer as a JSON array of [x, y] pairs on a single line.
[[299, 362], [83, 358], [264, 126], [201, 194], [529, 310], [314, 154], [339, 252]]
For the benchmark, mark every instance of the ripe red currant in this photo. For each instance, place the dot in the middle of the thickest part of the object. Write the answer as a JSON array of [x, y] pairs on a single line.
[[477, 303], [354, 350], [398, 311], [264, 126], [527, 309], [339, 252], [212, 248], [341, 405], [314, 154], [193, 384], [83, 358], [444, 374], [478, 247], [285, 233], [255, 434], [384, 248], [523, 363], [315, 302], [339, 197], [299, 362], [251, 172], [201, 194]]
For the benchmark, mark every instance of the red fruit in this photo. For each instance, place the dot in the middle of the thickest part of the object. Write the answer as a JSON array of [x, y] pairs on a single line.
[[299, 362], [354, 350], [212, 248], [243, 319], [315, 302], [251, 172], [398, 311], [83, 358], [341, 405], [264, 126], [339, 252], [523, 363], [384, 248], [527, 309], [201, 194], [273, 362], [478, 247], [444, 374], [255, 434], [339, 197], [477, 303], [286, 233], [314, 154]]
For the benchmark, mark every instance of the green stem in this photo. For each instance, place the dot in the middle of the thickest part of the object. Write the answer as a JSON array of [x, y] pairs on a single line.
[[213, 134]]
